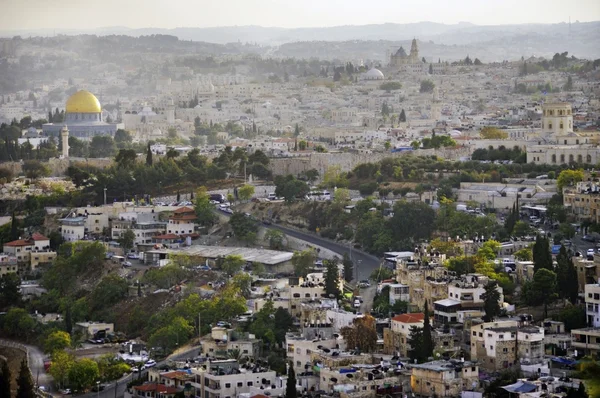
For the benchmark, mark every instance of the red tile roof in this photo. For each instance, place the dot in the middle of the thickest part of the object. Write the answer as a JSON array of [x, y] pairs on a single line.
[[159, 388], [415, 317], [19, 242], [38, 236], [184, 217], [166, 236], [184, 209]]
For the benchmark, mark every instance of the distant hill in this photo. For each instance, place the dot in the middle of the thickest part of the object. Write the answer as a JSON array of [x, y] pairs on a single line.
[[497, 42]]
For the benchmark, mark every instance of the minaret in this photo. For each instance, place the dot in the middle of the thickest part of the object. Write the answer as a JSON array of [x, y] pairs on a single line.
[[171, 112], [414, 51], [64, 134]]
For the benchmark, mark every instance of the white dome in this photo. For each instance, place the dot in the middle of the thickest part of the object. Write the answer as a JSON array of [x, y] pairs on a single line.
[[374, 74]]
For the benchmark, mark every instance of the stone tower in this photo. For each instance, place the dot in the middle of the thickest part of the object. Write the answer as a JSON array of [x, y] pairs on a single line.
[[414, 51], [557, 118], [64, 134], [171, 112]]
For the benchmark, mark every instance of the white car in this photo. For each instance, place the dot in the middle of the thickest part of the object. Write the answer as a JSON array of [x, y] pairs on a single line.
[[150, 363], [590, 252]]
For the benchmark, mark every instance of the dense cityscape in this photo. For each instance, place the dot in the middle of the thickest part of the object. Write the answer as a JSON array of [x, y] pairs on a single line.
[[336, 217]]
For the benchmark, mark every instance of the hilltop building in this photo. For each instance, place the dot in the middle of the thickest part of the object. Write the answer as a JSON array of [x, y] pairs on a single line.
[[83, 115], [401, 58]]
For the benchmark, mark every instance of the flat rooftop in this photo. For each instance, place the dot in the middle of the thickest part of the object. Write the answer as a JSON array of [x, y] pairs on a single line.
[[264, 256]]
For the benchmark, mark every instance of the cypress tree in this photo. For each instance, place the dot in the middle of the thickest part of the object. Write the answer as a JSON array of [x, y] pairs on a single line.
[[5, 378], [149, 156], [542, 258], [25, 382], [331, 279], [290, 386], [427, 338], [14, 228]]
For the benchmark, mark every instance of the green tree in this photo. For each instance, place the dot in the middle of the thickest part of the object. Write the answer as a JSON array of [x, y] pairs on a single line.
[[426, 86], [127, 240], [123, 138], [232, 264], [415, 344], [57, 341], [275, 238], [492, 133], [205, 212], [10, 294], [60, 366], [111, 289], [5, 379], [524, 254], [491, 301], [303, 262], [102, 146], [541, 290], [566, 275], [148, 156], [18, 323], [290, 387], [125, 159], [243, 282], [568, 177], [332, 278], [542, 258], [348, 267], [35, 169], [25, 387], [243, 226], [402, 117], [428, 343], [569, 85], [246, 192], [83, 373]]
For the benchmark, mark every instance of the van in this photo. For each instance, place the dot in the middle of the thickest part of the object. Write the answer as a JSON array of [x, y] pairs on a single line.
[[272, 196], [218, 197], [356, 303]]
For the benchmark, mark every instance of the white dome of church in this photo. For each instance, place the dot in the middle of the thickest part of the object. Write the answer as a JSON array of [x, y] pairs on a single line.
[[374, 74]]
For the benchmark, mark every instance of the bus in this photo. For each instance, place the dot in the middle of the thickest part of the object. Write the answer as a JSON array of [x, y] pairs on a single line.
[[318, 195]]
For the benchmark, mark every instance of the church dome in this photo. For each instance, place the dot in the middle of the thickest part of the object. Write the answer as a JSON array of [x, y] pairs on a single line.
[[374, 74], [83, 102]]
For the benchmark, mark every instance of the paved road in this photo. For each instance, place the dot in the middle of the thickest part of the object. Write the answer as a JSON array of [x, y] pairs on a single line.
[[36, 363], [121, 385], [364, 263]]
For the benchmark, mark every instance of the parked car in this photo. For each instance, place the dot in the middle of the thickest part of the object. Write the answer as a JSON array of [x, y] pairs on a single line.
[[356, 303], [132, 256], [588, 238], [66, 391], [150, 363], [126, 264], [364, 283], [590, 252]]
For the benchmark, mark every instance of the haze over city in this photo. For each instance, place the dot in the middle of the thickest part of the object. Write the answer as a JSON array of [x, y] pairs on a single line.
[[75, 14], [299, 199]]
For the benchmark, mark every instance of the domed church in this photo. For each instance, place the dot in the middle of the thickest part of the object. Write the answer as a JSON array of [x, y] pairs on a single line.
[[83, 117]]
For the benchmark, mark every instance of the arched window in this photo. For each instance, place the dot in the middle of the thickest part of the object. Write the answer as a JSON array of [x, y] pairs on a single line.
[[550, 125], [562, 158], [579, 158], [588, 159], [553, 158], [571, 158], [561, 125]]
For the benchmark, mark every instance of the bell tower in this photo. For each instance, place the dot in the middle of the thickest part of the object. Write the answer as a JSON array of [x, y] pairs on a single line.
[[64, 134]]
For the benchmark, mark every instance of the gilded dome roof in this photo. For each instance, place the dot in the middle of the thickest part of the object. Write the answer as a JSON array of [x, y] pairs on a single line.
[[83, 102]]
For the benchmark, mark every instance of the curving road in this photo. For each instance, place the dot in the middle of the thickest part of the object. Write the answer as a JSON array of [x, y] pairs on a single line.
[[364, 263]]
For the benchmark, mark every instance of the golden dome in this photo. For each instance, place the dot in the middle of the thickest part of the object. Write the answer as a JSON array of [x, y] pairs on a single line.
[[83, 102]]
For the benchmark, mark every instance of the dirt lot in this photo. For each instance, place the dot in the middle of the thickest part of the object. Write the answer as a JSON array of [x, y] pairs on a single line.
[[14, 357]]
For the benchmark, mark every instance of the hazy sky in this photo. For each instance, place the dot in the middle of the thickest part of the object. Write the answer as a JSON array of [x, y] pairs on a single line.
[[82, 14]]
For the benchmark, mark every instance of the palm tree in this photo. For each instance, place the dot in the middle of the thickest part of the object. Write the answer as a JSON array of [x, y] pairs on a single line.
[[234, 354]]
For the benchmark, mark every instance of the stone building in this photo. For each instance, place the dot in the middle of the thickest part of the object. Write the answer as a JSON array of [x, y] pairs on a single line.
[[400, 57], [444, 378]]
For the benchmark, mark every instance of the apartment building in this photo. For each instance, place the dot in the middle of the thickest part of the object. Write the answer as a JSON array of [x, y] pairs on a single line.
[[355, 381], [144, 225], [444, 378], [587, 340], [395, 338], [504, 343], [29, 253], [464, 294], [8, 264], [229, 379], [222, 341], [182, 222], [313, 337], [72, 228], [583, 200]]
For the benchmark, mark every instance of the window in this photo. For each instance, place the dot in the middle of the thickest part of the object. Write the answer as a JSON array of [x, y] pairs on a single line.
[[562, 158], [554, 158], [474, 333], [227, 385], [240, 384], [550, 125], [250, 384], [245, 351]]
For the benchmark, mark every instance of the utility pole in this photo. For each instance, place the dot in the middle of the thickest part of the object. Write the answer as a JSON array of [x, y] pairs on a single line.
[[104, 196]]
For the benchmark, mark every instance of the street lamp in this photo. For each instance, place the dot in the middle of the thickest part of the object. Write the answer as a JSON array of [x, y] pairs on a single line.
[[98, 389]]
